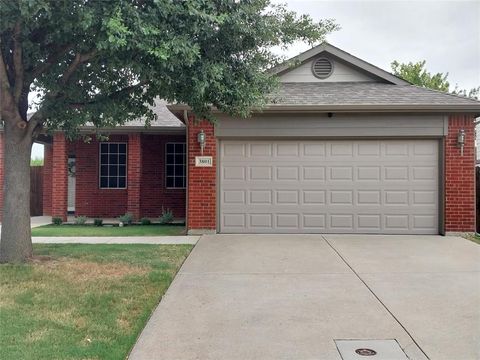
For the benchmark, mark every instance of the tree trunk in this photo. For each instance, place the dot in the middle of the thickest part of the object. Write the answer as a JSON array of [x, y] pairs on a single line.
[[16, 241]]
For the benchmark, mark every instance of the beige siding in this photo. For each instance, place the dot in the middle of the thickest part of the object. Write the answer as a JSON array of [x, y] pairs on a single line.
[[341, 73], [340, 125]]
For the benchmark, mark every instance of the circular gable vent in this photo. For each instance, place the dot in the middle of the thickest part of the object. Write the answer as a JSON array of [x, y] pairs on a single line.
[[322, 68]]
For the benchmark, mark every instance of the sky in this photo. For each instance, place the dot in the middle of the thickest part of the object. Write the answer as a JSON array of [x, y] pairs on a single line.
[[444, 33]]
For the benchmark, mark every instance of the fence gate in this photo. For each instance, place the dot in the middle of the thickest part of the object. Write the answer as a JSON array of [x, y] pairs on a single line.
[[36, 190]]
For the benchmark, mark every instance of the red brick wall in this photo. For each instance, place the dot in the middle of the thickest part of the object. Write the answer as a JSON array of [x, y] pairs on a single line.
[[1, 175], [47, 179], [60, 176], [90, 200], [201, 180], [460, 176], [155, 194], [146, 199], [134, 174]]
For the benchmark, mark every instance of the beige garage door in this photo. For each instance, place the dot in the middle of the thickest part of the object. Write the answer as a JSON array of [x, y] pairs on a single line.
[[365, 186]]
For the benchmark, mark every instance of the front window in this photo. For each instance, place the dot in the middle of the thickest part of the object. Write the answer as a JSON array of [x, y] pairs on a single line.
[[113, 165], [175, 174]]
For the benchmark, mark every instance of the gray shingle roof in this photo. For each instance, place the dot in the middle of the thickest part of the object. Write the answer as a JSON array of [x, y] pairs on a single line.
[[164, 118], [364, 94]]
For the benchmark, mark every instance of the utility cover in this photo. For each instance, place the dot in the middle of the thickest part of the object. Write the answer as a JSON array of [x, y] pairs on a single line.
[[370, 349]]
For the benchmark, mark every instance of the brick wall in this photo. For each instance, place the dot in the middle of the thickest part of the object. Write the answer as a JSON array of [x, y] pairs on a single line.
[[134, 175], [47, 179], [460, 176], [59, 176], [201, 180], [146, 197], [90, 200], [1, 174], [155, 195]]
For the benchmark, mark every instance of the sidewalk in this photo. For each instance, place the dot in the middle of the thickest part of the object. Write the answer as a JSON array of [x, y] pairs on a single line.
[[161, 240]]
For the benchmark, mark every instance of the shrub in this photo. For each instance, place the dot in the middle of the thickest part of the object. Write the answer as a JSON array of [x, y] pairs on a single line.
[[80, 220], [98, 222], [145, 221], [166, 217], [57, 220], [126, 219]]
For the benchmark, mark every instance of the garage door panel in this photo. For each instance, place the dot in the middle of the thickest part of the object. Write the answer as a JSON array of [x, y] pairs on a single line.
[[366, 186]]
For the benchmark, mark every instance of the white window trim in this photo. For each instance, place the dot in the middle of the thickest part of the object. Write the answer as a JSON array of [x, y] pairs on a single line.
[[185, 165], [100, 165]]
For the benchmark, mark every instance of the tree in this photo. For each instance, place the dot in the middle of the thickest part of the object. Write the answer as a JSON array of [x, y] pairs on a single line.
[[105, 62], [417, 74]]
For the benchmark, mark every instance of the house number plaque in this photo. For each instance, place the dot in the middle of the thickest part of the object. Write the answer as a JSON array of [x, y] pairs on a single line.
[[203, 161]]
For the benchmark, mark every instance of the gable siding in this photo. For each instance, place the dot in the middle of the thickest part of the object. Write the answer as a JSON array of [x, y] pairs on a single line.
[[341, 73]]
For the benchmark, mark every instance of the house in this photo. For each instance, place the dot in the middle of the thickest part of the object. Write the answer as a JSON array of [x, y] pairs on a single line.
[[343, 147]]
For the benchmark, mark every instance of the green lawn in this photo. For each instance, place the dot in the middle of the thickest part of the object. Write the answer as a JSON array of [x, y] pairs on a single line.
[[90, 230], [82, 301]]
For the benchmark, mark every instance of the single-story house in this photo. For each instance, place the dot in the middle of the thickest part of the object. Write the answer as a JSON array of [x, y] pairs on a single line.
[[342, 147]]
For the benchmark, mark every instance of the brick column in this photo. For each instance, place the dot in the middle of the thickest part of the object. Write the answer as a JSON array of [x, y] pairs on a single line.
[[47, 179], [201, 206], [1, 174], [134, 174], [59, 176], [460, 176]]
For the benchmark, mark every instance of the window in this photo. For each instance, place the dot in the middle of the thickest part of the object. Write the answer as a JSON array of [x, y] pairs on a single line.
[[175, 165], [113, 165]]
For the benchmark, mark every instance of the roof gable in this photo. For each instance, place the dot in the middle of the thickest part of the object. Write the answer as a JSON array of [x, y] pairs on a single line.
[[346, 68]]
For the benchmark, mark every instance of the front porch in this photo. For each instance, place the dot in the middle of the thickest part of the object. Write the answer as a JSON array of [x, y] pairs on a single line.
[[142, 173]]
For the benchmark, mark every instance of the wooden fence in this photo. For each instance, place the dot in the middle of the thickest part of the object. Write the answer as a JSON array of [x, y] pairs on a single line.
[[36, 190]]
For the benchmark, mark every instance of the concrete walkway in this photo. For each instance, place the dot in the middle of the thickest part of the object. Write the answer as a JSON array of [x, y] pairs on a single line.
[[36, 221], [116, 240], [290, 297]]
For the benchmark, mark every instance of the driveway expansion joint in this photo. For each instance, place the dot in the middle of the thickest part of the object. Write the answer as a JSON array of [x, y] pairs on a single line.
[[377, 297]]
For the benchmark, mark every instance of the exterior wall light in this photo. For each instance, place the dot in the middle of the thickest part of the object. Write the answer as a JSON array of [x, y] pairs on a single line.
[[461, 140], [201, 138]]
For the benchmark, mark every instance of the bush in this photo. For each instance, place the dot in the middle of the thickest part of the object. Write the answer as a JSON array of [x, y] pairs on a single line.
[[145, 221], [166, 217], [80, 220], [98, 222], [57, 220], [126, 219]]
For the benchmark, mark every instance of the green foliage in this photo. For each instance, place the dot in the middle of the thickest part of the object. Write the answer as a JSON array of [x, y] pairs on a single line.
[[57, 220], [126, 219], [145, 221], [80, 220], [36, 162], [98, 222], [166, 217], [105, 62], [417, 74]]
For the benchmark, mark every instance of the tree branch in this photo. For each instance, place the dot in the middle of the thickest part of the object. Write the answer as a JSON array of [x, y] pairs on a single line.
[[17, 63], [79, 59], [110, 96], [52, 59]]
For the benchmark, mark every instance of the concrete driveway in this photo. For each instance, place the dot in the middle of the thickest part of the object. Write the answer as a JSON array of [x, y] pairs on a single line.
[[291, 296]]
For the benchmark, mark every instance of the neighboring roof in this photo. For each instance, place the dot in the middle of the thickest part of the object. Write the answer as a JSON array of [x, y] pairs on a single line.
[[367, 96], [343, 55]]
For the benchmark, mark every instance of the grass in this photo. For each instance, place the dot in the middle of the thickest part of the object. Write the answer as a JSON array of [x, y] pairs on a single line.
[[473, 237], [90, 230], [82, 301]]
